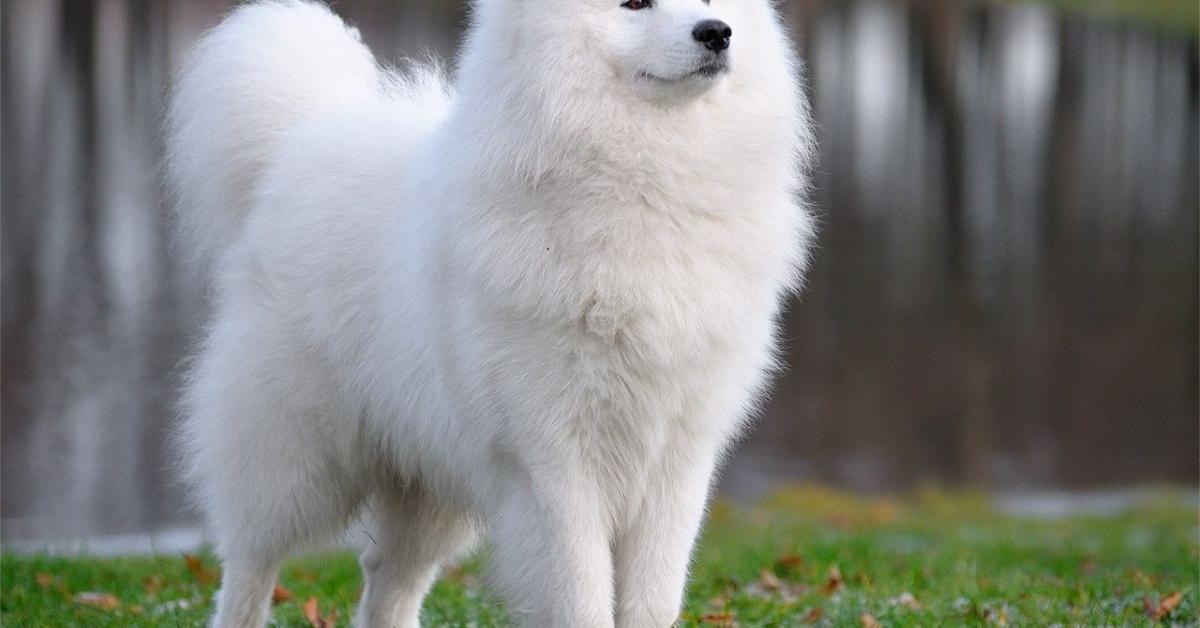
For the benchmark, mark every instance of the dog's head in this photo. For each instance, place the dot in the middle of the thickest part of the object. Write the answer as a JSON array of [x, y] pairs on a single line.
[[663, 51], [668, 48]]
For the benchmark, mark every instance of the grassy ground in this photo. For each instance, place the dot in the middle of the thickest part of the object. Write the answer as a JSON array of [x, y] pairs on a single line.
[[806, 556]]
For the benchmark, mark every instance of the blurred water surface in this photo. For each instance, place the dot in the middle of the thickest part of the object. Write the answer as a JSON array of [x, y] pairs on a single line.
[[1005, 294]]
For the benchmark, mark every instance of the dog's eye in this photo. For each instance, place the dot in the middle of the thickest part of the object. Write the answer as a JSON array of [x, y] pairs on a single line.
[[637, 5]]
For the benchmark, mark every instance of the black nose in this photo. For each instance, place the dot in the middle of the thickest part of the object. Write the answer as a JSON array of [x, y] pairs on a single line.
[[714, 34]]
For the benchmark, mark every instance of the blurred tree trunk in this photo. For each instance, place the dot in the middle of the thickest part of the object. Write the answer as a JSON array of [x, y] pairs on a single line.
[[959, 429]]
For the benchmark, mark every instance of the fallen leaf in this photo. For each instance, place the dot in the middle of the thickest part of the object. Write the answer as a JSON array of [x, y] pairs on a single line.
[[769, 580], [813, 616], [718, 619], [461, 576], [300, 573], [152, 585], [1165, 606], [199, 572], [312, 612], [769, 586], [194, 564], [94, 599], [869, 622], [44, 580], [834, 582], [788, 564], [280, 595], [790, 561], [907, 600]]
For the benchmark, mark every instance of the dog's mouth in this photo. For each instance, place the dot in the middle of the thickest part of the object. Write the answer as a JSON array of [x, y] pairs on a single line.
[[708, 70]]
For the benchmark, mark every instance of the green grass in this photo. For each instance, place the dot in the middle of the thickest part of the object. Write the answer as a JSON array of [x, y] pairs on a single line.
[[925, 560]]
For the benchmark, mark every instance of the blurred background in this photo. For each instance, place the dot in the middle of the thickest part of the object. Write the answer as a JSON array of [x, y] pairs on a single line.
[[1004, 298]]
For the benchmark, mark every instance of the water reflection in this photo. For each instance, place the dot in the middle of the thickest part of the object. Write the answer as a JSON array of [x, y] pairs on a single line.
[[1005, 292]]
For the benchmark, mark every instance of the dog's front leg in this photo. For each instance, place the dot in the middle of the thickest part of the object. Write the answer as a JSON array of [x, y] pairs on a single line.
[[552, 557], [653, 554]]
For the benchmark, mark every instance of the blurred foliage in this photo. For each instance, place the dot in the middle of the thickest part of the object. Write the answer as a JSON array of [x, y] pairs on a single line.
[[1182, 16]]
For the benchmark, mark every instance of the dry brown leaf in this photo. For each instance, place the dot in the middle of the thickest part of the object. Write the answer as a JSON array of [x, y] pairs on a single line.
[[907, 600], [769, 581], [199, 572], [152, 585], [790, 561], [461, 576], [788, 564], [869, 622], [813, 616], [1165, 606], [455, 575], [834, 582], [300, 573], [44, 580], [770, 586], [280, 595], [95, 599], [1170, 602], [312, 612], [997, 617], [718, 619]]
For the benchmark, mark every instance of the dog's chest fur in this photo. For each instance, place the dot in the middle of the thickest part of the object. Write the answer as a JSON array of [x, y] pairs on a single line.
[[645, 275]]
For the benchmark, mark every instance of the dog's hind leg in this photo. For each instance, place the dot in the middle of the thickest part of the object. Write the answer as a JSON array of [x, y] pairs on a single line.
[[262, 444], [286, 500], [412, 538], [279, 517]]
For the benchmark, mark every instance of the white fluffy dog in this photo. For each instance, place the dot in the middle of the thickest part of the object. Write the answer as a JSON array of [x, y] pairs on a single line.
[[540, 307]]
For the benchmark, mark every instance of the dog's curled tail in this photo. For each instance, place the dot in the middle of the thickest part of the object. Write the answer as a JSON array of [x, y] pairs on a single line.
[[263, 70]]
